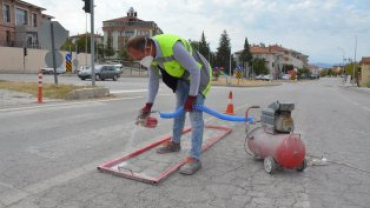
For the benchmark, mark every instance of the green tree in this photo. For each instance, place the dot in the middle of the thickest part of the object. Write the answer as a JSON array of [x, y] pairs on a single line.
[[68, 45], [349, 69], [81, 43], [108, 50], [287, 68], [223, 52], [246, 55], [323, 73], [204, 46], [303, 70], [194, 44], [259, 66]]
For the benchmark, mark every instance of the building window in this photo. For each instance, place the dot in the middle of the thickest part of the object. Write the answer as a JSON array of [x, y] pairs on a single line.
[[34, 20], [6, 13], [21, 17]]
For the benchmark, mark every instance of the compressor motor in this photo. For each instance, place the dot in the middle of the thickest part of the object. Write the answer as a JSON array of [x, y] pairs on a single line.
[[276, 118]]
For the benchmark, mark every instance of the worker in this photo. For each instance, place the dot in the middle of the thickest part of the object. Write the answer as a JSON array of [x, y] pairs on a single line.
[[188, 74]]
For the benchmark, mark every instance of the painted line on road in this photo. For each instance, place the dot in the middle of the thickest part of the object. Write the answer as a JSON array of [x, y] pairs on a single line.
[[74, 103], [19, 194], [127, 91]]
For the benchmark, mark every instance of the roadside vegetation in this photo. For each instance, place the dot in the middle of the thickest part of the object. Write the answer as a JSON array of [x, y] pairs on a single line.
[[50, 91]]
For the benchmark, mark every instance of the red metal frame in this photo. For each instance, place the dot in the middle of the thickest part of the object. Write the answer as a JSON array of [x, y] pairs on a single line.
[[107, 167]]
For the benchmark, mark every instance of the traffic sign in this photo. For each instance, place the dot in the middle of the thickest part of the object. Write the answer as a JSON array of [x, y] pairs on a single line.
[[49, 59], [68, 57], [60, 35]]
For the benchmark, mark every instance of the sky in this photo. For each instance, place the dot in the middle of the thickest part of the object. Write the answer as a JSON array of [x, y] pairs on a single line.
[[325, 30]]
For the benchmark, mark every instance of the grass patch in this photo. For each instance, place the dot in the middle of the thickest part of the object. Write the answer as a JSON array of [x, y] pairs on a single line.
[[51, 91]]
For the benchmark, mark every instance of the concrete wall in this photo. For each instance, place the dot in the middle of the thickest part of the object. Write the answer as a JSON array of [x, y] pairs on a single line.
[[13, 61], [365, 75]]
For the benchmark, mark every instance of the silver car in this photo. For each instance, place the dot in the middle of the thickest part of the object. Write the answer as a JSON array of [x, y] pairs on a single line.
[[102, 72]]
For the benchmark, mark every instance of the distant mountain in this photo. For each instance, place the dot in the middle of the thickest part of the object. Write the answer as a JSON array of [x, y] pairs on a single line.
[[323, 65]]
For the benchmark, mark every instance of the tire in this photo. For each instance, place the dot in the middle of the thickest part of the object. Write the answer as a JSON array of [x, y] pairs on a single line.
[[270, 165], [302, 167], [115, 77], [83, 79], [97, 77]]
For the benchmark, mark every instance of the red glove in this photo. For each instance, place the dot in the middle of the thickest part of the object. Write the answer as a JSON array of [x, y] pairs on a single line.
[[188, 106], [145, 111]]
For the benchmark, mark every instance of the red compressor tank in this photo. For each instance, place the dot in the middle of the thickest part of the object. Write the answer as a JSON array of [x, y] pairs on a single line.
[[277, 150]]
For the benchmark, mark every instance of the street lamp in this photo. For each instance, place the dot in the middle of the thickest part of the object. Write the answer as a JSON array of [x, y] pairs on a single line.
[[343, 58]]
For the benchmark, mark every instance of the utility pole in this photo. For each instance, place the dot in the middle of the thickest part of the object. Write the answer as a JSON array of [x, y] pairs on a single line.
[[53, 53], [92, 43], [230, 66], [354, 63], [86, 41]]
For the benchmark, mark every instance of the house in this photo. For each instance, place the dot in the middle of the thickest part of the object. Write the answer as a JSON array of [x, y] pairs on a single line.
[[118, 31], [19, 23], [276, 58], [365, 72]]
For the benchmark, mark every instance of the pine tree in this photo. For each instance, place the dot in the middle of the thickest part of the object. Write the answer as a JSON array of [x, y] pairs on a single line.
[[246, 56], [223, 52], [204, 47]]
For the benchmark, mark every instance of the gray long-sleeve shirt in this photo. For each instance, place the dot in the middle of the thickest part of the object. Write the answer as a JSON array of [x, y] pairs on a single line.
[[185, 59]]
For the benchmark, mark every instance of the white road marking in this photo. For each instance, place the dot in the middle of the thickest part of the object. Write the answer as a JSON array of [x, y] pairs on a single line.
[[127, 91], [72, 103]]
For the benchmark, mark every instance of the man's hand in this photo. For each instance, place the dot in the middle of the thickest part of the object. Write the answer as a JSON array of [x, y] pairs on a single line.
[[144, 112], [190, 101]]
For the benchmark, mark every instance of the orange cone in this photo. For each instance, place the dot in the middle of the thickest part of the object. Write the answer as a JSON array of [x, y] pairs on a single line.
[[230, 105]]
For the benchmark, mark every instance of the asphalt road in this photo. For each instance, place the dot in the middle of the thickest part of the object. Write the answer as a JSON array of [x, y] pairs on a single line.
[[49, 153]]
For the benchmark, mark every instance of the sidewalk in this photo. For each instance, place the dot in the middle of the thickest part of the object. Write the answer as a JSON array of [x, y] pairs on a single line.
[[14, 99]]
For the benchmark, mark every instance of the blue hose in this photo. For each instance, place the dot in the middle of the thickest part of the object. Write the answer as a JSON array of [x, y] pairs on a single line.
[[209, 111]]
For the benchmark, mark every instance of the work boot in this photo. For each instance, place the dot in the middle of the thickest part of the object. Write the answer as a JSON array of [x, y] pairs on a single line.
[[191, 166], [169, 147]]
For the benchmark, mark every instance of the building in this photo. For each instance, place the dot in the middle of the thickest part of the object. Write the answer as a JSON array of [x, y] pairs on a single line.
[[272, 59], [19, 23], [290, 57], [118, 31], [276, 58], [365, 72]]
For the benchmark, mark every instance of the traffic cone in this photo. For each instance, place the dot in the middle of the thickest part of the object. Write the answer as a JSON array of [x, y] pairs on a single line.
[[230, 105]]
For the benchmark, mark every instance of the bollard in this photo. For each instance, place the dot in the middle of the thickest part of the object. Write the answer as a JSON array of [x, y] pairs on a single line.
[[39, 97]]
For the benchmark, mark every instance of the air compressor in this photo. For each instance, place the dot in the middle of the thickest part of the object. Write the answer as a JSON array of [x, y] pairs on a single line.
[[274, 141]]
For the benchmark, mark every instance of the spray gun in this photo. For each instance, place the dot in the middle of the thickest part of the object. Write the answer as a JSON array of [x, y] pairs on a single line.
[[147, 121]]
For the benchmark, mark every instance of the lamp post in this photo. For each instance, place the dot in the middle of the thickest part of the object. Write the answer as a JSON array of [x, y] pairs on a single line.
[[343, 58], [354, 62]]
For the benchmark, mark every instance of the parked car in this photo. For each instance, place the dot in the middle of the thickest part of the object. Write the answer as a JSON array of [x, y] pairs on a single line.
[[102, 72], [259, 77], [81, 68], [315, 76], [303, 77], [48, 70], [267, 77], [119, 68]]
